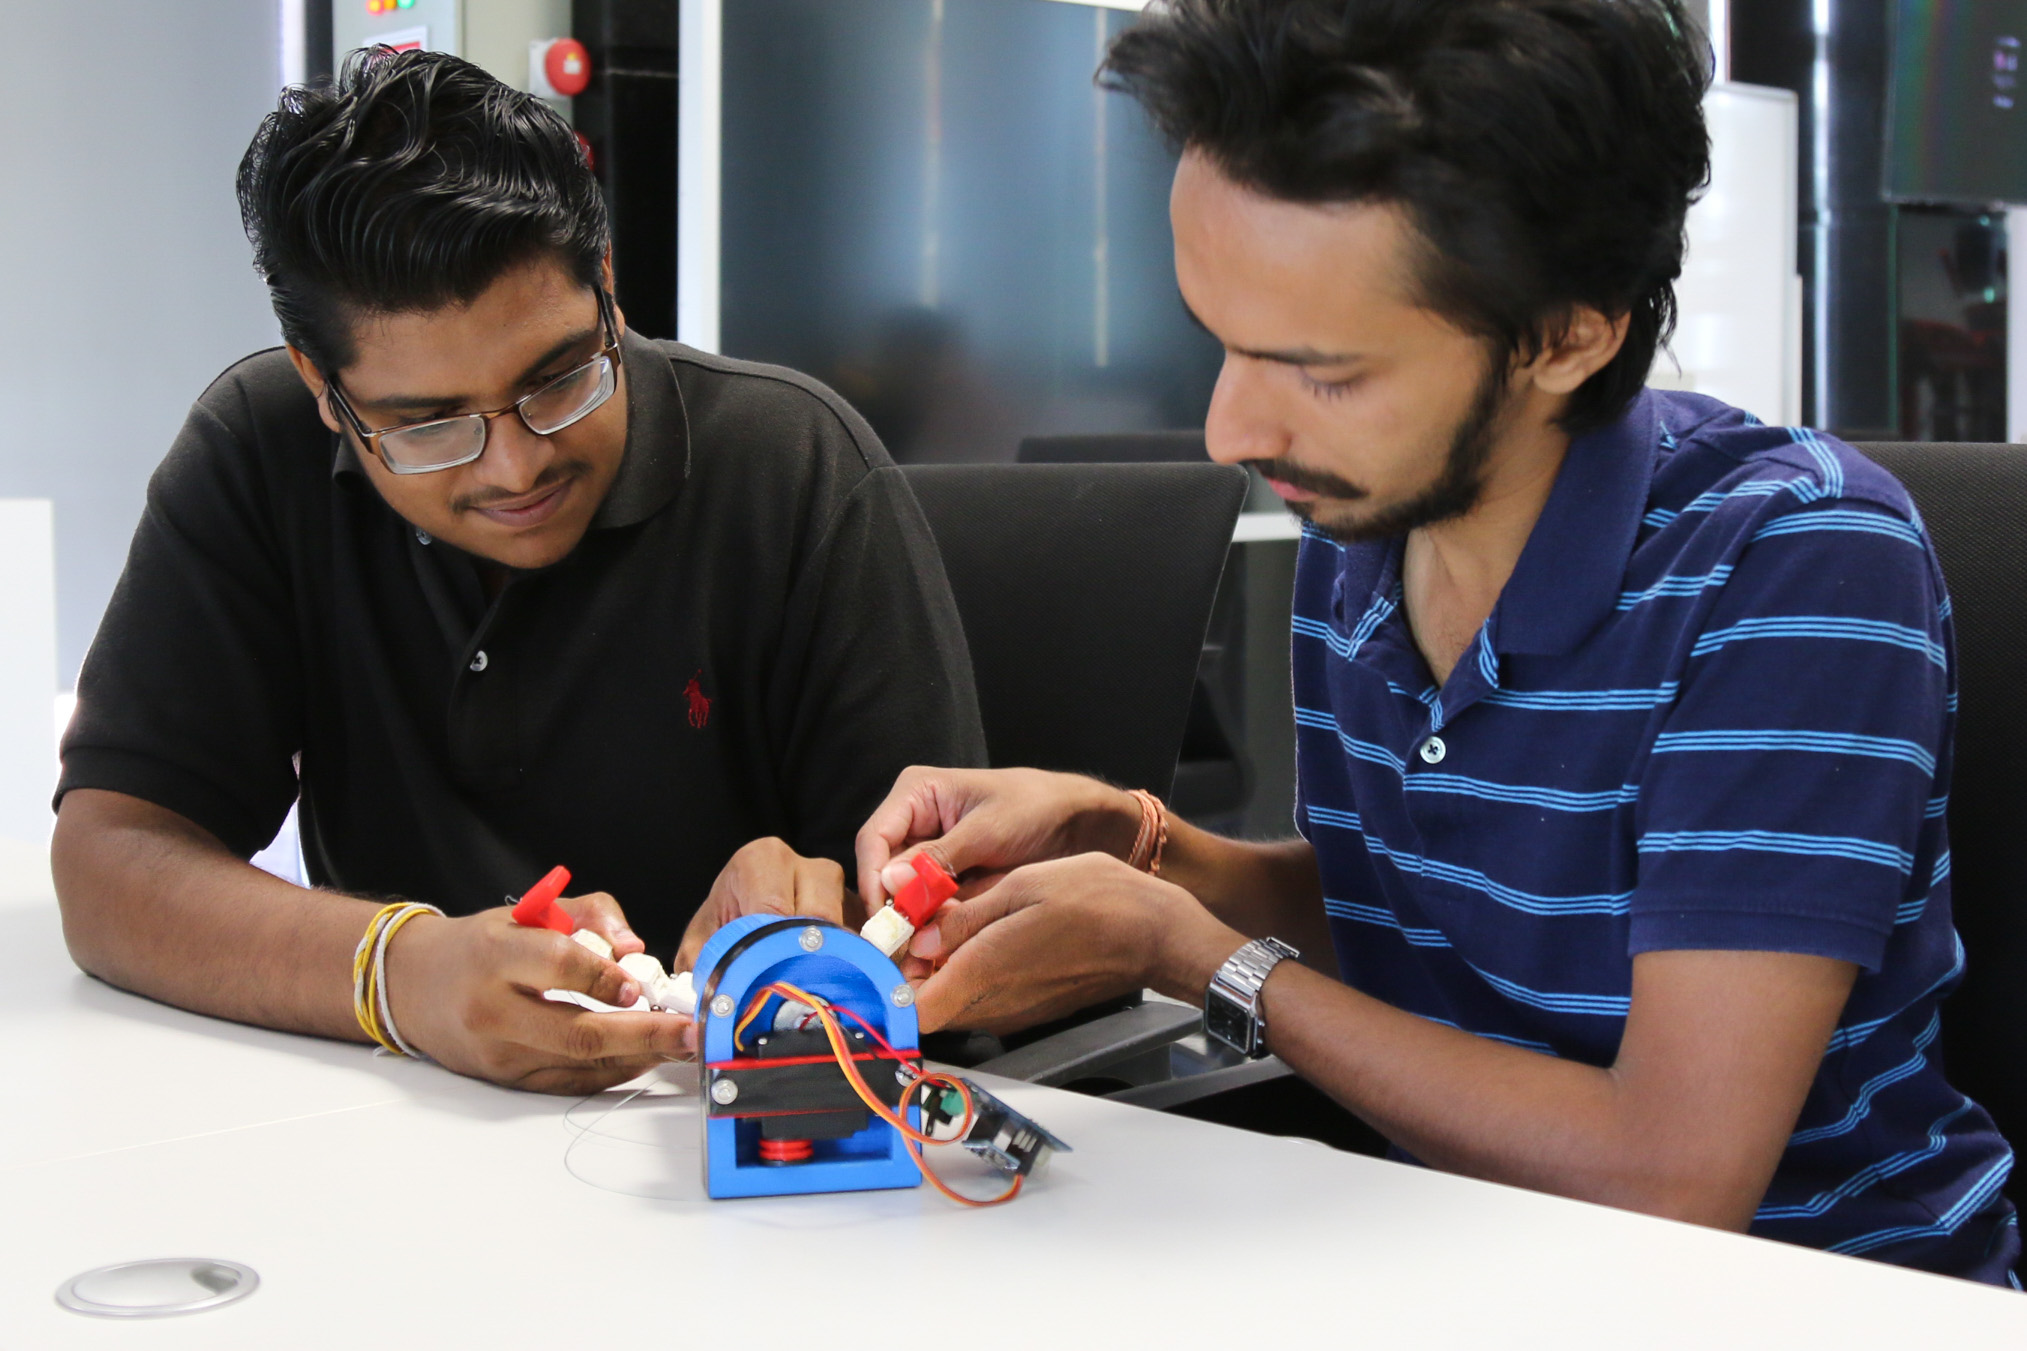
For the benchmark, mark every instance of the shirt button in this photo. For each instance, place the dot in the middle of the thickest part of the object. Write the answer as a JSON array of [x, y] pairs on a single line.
[[479, 664], [1432, 752], [422, 537]]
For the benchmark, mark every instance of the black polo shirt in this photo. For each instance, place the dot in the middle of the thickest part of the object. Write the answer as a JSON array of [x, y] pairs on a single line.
[[753, 639]]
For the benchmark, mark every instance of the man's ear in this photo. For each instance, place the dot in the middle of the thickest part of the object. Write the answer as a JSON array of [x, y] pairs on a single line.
[[1585, 346], [314, 379], [605, 280]]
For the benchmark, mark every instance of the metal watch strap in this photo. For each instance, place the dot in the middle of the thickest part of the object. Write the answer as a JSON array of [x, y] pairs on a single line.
[[1238, 983]]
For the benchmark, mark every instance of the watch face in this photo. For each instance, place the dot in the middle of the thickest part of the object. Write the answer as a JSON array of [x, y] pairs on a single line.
[[1228, 1022]]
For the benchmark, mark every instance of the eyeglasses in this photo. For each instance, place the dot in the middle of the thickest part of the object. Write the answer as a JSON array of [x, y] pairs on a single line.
[[446, 443]]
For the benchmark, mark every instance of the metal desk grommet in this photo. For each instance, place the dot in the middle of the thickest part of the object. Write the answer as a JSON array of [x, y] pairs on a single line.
[[158, 1288]]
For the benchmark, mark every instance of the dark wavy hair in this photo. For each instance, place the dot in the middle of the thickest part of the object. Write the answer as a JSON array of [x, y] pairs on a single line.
[[1545, 150], [410, 182]]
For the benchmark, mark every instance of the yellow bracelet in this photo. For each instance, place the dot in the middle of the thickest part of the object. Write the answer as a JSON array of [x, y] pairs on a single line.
[[369, 983], [362, 968]]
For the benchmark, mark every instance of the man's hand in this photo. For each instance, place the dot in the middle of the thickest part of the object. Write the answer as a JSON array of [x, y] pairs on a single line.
[[468, 994], [600, 913], [989, 821], [1059, 936], [768, 878]]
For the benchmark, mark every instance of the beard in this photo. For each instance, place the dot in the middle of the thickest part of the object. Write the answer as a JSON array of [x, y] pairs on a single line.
[[1455, 492]]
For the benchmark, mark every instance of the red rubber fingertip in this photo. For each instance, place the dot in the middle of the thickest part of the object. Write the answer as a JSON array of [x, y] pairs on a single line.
[[922, 895], [940, 884], [538, 909]]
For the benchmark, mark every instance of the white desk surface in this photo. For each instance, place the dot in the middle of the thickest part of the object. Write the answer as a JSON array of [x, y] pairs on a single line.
[[390, 1204], [1257, 527]]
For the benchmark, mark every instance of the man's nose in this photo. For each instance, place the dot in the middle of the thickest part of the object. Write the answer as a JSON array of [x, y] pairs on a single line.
[[1240, 425], [515, 457]]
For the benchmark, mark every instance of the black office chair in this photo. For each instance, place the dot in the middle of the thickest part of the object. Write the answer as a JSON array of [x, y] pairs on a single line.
[[1166, 447], [1085, 590], [1213, 774], [1973, 498]]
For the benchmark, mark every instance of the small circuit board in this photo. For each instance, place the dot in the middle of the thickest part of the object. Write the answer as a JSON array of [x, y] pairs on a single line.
[[1009, 1140]]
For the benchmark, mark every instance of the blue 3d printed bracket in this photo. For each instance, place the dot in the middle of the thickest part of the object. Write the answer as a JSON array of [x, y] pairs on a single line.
[[780, 1117]]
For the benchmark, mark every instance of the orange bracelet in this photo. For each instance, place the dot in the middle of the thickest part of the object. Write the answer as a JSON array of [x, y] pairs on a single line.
[[1153, 837]]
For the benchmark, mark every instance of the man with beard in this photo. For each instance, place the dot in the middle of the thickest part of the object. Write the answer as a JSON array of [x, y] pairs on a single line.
[[1624, 720]]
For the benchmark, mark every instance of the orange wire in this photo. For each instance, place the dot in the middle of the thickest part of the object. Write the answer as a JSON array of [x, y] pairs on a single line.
[[835, 1032], [911, 1138], [915, 1151], [752, 1011]]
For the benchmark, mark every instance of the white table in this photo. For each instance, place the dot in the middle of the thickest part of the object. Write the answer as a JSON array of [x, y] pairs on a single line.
[[390, 1204]]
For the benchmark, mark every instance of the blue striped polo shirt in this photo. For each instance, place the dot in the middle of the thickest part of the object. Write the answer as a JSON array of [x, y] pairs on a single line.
[[1712, 709]]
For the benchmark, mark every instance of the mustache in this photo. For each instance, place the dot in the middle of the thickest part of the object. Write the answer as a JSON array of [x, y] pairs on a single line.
[[554, 476], [1309, 480]]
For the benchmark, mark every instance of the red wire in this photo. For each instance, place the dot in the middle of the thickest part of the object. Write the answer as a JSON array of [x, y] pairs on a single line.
[[911, 1138]]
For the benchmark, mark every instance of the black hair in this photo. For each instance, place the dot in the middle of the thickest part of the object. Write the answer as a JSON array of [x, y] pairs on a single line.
[[1546, 151], [410, 182]]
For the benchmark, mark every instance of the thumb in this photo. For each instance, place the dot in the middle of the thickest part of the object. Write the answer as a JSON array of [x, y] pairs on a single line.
[[599, 912]]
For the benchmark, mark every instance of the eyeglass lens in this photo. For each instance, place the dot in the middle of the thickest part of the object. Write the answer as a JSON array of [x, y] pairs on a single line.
[[569, 398]]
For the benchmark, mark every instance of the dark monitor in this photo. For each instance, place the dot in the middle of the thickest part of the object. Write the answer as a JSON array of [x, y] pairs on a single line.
[[930, 206], [1956, 117]]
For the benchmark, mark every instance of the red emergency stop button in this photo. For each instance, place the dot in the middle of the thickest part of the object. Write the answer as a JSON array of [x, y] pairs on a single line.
[[567, 66]]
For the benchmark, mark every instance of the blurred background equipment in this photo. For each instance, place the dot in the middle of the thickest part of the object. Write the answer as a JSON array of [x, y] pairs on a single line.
[[627, 114], [1910, 144], [929, 205], [1738, 334]]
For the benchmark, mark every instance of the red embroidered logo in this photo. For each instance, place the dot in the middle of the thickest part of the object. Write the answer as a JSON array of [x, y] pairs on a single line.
[[700, 705]]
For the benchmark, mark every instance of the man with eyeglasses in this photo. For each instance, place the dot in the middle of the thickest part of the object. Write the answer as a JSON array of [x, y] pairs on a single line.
[[489, 583]]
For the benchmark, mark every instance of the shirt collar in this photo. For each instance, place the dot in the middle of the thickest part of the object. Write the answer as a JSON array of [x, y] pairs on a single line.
[[1573, 567], [657, 459], [657, 456]]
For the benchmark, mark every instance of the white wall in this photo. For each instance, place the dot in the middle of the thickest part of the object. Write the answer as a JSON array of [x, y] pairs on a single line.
[[27, 670], [1738, 335], [497, 34], [125, 283]]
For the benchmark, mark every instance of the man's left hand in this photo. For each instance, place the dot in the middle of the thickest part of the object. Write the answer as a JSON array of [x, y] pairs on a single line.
[[769, 878], [1059, 936]]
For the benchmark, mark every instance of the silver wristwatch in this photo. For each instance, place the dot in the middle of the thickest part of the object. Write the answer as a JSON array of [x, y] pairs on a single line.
[[1232, 1003]]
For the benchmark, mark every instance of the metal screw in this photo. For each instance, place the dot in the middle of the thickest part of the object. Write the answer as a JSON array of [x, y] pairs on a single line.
[[812, 938], [903, 996], [724, 1092], [902, 1077], [721, 1007]]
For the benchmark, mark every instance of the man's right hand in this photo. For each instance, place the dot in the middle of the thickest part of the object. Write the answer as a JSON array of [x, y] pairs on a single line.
[[468, 994], [986, 822]]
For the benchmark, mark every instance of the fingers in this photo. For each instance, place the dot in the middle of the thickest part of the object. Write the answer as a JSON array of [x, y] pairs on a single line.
[[820, 889], [577, 1080], [560, 1034], [601, 914], [969, 990], [541, 959], [769, 878], [694, 938], [766, 877], [959, 921], [923, 804], [941, 1001]]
